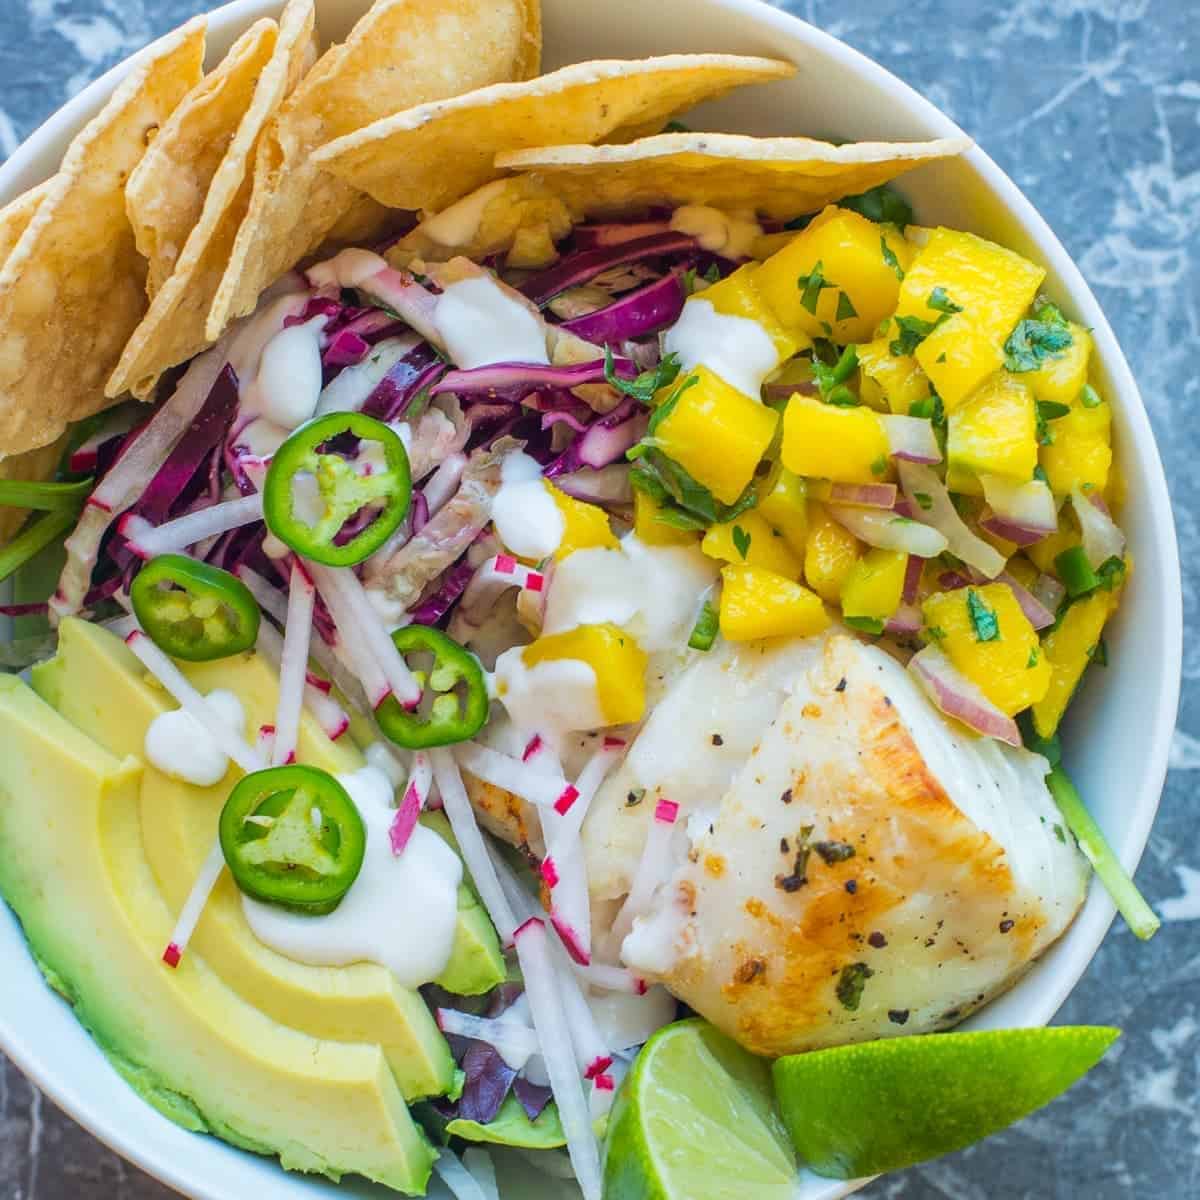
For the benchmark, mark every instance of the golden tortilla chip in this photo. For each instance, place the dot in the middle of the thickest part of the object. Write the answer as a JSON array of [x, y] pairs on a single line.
[[74, 288], [430, 156], [34, 466], [403, 52], [775, 177], [16, 215], [166, 193], [258, 82]]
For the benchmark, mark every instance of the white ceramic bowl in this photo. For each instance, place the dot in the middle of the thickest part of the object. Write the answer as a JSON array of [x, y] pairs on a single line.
[[1119, 733]]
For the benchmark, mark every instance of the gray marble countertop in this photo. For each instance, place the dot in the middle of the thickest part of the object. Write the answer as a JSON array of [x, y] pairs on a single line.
[[1093, 107]]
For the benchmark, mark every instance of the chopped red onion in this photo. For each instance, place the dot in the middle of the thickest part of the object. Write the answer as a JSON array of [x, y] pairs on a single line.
[[1040, 617], [912, 578], [863, 495], [1022, 513], [911, 439], [956, 696], [1049, 592], [608, 485], [888, 531], [920, 483], [904, 622], [1102, 539]]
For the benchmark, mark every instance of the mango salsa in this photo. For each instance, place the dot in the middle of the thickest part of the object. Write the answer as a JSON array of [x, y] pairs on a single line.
[[1068, 650], [898, 377], [717, 434], [995, 432], [991, 287], [616, 658], [783, 501], [749, 539], [875, 584], [855, 288], [847, 445], [1060, 378], [830, 555], [585, 526], [990, 640], [760, 604], [738, 296], [1081, 452], [653, 532], [1044, 553]]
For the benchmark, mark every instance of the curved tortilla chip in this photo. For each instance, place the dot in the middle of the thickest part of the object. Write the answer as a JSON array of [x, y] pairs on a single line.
[[74, 288], [430, 156], [34, 466], [403, 52], [165, 194], [16, 215], [776, 177], [173, 329]]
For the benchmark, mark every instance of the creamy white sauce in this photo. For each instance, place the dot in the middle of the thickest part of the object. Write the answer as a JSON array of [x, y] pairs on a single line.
[[385, 759], [179, 746], [348, 269], [654, 592], [261, 437], [401, 912], [288, 385], [554, 697], [527, 520], [481, 324], [729, 234], [458, 224], [737, 349]]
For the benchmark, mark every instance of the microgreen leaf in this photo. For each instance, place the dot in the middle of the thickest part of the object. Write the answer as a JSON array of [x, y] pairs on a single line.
[[648, 383], [845, 308], [812, 285], [1033, 342], [741, 541], [883, 204], [889, 257]]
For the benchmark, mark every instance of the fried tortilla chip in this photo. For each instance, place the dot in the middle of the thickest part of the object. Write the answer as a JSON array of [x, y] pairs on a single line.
[[260, 76], [16, 215], [34, 466], [775, 177], [432, 155], [403, 52], [166, 193], [74, 287]]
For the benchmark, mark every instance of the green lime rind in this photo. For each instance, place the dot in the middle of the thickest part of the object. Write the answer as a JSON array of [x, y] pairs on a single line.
[[879, 1106], [695, 1117]]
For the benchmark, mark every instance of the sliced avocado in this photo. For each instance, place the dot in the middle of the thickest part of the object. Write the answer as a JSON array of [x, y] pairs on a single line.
[[74, 869], [97, 684]]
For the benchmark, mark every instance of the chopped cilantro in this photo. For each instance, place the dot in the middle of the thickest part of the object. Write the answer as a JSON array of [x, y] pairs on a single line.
[[644, 387], [812, 285], [924, 500], [1111, 573], [871, 625], [1033, 342], [880, 465], [1045, 310], [831, 380], [741, 541], [1048, 410], [1089, 397], [882, 204], [983, 619], [682, 502], [1039, 473], [913, 331], [941, 357], [1032, 661], [936, 632], [889, 257], [850, 984], [1099, 653], [845, 308], [939, 301], [664, 410]]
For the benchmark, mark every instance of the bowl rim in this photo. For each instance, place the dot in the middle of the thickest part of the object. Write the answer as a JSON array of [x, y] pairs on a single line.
[[20, 171]]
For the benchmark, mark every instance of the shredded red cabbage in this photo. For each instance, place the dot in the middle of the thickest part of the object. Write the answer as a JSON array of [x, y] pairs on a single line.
[[446, 593], [417, 370], [512, 382], [649, 309], [578, 268]]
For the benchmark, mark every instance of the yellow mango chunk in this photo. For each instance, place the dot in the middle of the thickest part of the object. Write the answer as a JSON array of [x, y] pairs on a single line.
[[749, 539], [825, 441], [992, 286], [990, 640], [1068, 649], [585, 526], [1044, 553], [653, 532], [783, 501], [1081, 452], [760, 604], [874, 585], [995, 432], [1023, 571], [860, 284], [830, 555], [717, 434], [898, 377], [738, 296], [1059, 380], [616, 658]]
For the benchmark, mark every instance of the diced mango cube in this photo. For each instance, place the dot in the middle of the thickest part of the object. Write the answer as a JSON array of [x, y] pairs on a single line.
[[783, 501], [1044, 553], [860, 287], [1081, 452], [990, 640], [826, 441], [830, 555], [617, 660], [992, 287], [995, 432], [1023, 571], [760, 604], [1068, 649], [585, 526], [737, 295], [875, 584], [654, 532], [1060, 379], [899, 377], [749, 539], [717, 434]]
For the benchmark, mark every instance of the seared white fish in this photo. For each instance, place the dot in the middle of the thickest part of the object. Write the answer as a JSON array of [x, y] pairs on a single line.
[[870, 871]]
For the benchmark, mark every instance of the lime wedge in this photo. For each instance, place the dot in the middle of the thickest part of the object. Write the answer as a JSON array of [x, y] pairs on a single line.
[[695, 1118], [878, 1106]]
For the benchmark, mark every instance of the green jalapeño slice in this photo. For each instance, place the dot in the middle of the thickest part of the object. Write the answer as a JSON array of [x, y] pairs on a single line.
[[315, 496], [454, 706], [293, 837], [193, 611]]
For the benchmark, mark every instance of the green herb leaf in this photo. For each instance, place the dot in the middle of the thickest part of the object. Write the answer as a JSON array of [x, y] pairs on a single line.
[[850, 985], [1045, 310], [935, 632], [1089, 397], [1033, 342], [845, 308], [830, 380], [648, 383], [1048, 410], [1032, 661], [741, 541], [704, 632], [889, 257], [879, 466], [812, 285], [939, 301], [883, 204], [1111, 573], [924, 500], [1099, 653], [664, 410], [913, 331], [871, 625], [983, 619]]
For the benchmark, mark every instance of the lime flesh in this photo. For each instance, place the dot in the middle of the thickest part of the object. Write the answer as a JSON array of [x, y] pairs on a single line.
[[879, 1106], [695, 1118]]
